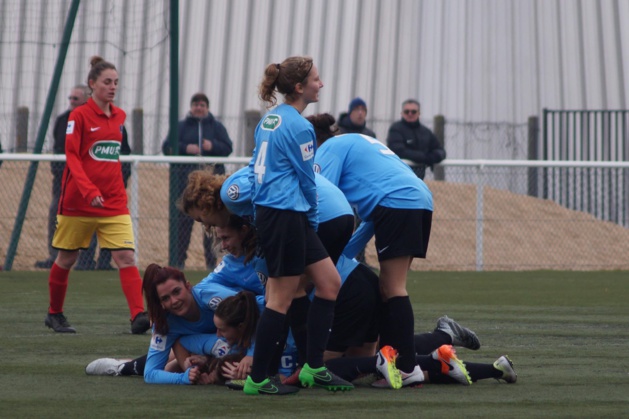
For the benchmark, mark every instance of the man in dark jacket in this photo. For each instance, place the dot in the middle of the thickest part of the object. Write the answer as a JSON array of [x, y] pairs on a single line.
[[412, 141], [354, 121], [199, 134]]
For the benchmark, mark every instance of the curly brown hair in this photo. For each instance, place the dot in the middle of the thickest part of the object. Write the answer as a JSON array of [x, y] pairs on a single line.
[[203, 192]]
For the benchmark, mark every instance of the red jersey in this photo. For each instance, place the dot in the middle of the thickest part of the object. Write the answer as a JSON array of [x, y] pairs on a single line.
[[93, 165]]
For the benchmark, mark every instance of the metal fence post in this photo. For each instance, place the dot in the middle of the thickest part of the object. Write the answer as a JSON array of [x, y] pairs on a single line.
[[480, 186], [533, 154], [137, 129], [21, 134], [440, 131]]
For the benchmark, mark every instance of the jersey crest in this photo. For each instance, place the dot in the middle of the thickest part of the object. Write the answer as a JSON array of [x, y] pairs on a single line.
[[70, 127], [233, 192], [307, 150], [220, 349], [105, 150], [158, 342], [214, 302], [271, 122]]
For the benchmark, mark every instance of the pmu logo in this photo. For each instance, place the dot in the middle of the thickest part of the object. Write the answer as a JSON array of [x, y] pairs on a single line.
[[271, 122], [105, 151], [233, 192]]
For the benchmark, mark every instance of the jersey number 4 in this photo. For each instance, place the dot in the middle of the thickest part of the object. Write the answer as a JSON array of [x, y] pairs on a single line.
[[260, 167]]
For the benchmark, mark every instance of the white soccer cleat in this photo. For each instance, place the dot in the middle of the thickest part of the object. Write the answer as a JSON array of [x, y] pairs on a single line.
[[412, 379], [505, 365], [386, 366], [104, 366], [451, 365]]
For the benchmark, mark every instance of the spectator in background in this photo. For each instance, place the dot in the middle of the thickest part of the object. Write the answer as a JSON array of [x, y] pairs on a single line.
[[354, 120], [200, 134], [412, 141], [78, 96]]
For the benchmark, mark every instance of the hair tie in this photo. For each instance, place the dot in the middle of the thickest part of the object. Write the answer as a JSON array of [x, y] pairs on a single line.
[[277, 66]]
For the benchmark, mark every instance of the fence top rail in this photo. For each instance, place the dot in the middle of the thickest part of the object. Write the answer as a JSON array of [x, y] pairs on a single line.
[[480, 163]]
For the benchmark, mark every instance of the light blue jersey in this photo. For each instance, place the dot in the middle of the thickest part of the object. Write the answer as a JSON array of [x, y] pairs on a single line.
[[207, 296], [331, 200], [281, 170], [236, 194], [234, 273], [370, 174]]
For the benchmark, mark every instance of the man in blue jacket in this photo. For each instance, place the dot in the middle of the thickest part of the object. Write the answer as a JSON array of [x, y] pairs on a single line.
[[200, 134]]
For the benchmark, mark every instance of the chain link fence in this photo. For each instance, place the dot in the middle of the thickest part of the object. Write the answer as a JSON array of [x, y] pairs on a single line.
[[483, 220]]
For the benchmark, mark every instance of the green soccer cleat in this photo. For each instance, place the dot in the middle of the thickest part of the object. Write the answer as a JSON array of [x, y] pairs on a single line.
[[324, 378], [268, 386]]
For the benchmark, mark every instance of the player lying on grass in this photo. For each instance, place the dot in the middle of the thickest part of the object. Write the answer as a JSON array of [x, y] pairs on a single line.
[[180, 312]]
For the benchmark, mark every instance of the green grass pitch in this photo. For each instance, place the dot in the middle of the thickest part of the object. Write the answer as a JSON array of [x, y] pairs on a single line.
[[567, 333]]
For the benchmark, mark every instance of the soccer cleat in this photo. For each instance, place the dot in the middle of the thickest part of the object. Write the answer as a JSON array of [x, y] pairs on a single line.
[[451, 365], [269, 386], [461, 336], [140, 324], [235, 384], [105, 366], [386, 366], [324, 378], [412, 379], [505, 365], [59, 323]]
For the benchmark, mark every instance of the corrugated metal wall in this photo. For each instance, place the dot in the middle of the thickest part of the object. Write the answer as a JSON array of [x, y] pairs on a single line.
[[472, 61]]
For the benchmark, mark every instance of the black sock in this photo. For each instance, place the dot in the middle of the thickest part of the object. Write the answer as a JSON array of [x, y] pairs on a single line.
[[402, 323], [384, 329], [298, 314], [320, 317], [134, 367], [433, 367], [276, 360], [482, 371], [268, 334], [426, 343], [349, 368]]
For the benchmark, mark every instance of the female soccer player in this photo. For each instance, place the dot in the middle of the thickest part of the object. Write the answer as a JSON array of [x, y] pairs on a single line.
[[398, 206], [285, 205], [94, 199], [180, 311]]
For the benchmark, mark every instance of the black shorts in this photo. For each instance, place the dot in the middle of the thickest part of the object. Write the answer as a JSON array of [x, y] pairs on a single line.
[[401, 232], [335, 234], [358, 306], [287, 240]]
